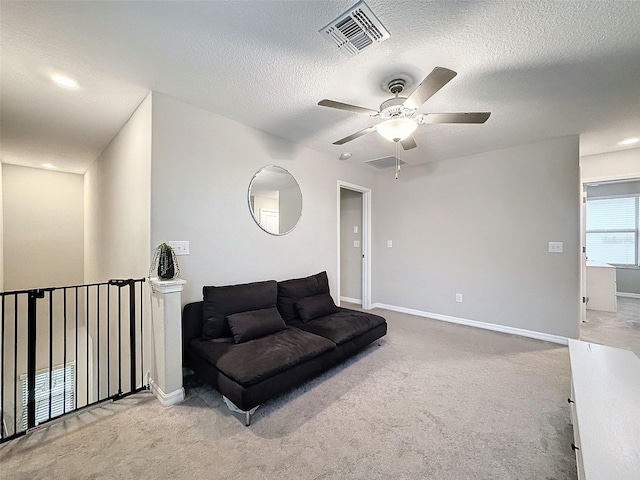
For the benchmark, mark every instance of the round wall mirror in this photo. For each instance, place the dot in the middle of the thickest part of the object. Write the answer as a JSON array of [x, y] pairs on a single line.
[[275, 200]]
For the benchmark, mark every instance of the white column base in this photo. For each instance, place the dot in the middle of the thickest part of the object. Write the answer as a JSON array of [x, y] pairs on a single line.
[[166, 372], [167, 399]]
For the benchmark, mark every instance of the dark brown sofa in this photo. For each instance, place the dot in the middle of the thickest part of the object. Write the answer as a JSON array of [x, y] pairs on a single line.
[[254, 341]]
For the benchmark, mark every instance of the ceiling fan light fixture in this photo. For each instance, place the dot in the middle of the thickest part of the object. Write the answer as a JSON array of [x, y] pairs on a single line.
[[397, 129]]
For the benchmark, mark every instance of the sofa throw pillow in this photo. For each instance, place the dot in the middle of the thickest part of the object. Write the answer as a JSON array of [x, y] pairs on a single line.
[[315, 306], [220, 302], [290, 291], [246, 326]]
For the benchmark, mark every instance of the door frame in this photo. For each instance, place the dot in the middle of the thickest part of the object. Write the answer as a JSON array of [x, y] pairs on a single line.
[[366, 240], [583, 230], [583, 255]]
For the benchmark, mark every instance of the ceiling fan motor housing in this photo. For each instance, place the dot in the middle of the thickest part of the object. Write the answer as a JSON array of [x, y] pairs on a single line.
[[394, 108]]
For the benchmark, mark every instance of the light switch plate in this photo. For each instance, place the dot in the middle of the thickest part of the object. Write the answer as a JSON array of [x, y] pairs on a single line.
[[355, 229], [389, 244], [555, 247], [180, 247]]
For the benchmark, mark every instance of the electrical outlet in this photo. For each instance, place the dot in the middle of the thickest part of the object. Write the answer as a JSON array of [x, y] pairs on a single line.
[[356, 243], [459, 297], [389, 244], [180, 248], [555, 247]]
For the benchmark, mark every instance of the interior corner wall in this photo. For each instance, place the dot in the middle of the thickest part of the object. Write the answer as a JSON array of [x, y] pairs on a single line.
[[480, 226], [202, 166], [43, 228], [117, 204]]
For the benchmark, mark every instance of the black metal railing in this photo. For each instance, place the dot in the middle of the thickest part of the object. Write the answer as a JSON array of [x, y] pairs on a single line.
[[67, 348]]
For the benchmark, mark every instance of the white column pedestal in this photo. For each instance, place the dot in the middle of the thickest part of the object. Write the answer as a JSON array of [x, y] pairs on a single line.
[[166, 326]]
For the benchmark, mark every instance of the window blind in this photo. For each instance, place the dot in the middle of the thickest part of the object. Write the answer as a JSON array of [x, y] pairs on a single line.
[[612, 230]]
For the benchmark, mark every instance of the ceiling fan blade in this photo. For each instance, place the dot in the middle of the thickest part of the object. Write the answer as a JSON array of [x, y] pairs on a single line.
[[474, 117], [408, 143], [347, 107], [355, 135], [437, 79]]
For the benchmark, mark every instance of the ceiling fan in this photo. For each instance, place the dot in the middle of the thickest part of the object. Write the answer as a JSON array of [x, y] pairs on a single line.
[[398, 112]]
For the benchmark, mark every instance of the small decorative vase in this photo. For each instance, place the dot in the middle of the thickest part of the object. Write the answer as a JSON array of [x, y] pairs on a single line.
[[166, 267]]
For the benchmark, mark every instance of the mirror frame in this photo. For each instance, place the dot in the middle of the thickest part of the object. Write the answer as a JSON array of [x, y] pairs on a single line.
[[253, 215]]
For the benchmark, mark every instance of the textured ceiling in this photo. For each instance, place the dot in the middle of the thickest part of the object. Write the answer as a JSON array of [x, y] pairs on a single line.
[[544, 70]]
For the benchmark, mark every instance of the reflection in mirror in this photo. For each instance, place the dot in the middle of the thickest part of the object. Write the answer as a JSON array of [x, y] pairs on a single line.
[[275, 200]]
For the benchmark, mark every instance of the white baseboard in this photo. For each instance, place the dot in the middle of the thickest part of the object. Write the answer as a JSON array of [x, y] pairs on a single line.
[[351, 300], [474, 323], [167, 399], [627, 295]]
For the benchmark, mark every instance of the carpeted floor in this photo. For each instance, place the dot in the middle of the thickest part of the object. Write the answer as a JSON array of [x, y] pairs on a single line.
[[435, 401], [620, 329]]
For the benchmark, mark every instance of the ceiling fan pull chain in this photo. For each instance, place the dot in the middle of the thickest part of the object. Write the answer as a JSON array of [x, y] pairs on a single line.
[[397, 162]]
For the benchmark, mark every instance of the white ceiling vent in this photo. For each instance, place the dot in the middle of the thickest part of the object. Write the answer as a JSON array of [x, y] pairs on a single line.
[[355, 30], [384, 162]]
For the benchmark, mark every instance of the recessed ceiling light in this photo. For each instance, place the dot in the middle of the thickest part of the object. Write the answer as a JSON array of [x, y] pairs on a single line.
[[629, 141], [64, 81], [48, 166]]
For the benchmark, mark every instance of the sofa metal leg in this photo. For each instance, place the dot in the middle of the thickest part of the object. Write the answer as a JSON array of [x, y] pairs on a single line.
[[247, 413], [379, 341]]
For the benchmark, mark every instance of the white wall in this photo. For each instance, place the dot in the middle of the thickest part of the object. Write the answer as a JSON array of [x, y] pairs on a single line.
[[117, 233], [350, 256], [202, 166], [617, 165], [43, 228], [117, 204], [479, 226], [44, 247]]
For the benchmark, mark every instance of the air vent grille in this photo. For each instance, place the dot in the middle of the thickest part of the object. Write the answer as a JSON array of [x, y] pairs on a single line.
[[385, 162], [355, 30]]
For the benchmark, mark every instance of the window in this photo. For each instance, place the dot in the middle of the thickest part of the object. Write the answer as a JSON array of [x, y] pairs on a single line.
[[62, 394], [612, 230]]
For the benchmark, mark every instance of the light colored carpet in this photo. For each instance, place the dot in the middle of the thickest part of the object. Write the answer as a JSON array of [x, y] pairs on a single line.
[[436, 401], [621, 329]]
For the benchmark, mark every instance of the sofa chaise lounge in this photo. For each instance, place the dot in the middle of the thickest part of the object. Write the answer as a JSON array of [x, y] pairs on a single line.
[[254, 341]]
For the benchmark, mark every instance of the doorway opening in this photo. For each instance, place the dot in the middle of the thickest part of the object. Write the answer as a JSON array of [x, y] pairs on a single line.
[[610, 231], [354, 244]]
